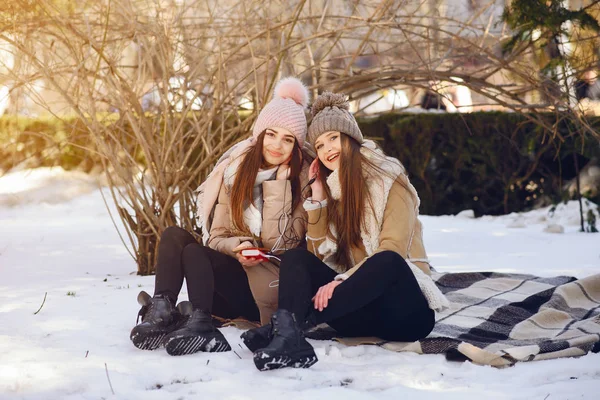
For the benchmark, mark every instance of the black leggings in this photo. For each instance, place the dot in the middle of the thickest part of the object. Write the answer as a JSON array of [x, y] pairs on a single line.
[[216, 282], [382, 298]]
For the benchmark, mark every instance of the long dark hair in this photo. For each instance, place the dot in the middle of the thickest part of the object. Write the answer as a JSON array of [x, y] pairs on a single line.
[[241, 191], [347, 215]]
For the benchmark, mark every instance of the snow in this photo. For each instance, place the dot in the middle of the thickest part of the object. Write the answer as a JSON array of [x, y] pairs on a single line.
[[57, 238], [45, 185]]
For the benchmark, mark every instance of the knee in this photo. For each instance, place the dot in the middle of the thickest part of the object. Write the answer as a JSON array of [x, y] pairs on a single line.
[[388, 262], [175, 235], [389, 257], [295, 257], [194, 252]]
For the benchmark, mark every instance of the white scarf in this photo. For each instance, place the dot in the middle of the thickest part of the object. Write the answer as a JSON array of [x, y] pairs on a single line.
[[379, 188]]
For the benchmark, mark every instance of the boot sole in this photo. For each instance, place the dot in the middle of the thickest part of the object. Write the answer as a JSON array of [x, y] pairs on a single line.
[[151, 341], [253, 341], [212, 342], [266, 362]]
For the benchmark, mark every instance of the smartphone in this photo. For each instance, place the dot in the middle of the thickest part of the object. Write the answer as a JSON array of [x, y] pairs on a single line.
[[253, 252], [256, 252]]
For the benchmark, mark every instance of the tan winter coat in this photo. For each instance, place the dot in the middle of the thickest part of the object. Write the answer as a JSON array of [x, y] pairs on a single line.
[[277, 200], [401, 231], [390, 223]]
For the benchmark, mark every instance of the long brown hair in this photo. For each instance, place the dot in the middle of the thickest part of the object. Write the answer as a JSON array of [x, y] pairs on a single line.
[[241, 191], [347, 215]]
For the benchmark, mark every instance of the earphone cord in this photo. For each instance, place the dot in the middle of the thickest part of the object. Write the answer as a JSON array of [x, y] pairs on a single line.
[[288, 236], [291, 239], [284, 241]]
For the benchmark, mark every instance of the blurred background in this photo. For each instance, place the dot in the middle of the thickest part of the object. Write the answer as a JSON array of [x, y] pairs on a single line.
[[491, 104]]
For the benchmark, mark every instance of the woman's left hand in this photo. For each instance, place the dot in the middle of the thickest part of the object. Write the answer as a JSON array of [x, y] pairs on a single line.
[[321, 299], [246, 262]]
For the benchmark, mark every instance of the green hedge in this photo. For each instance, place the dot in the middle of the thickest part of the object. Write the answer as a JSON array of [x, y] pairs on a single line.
[[492, 163], [45, 143]]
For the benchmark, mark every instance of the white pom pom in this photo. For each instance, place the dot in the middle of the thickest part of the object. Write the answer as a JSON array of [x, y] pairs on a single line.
[[292, 88]]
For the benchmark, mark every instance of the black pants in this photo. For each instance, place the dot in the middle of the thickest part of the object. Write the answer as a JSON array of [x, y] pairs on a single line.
[[382, 298], [216, 282]]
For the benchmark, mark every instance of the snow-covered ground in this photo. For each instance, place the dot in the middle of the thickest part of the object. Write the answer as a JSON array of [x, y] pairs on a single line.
[[56, 237]]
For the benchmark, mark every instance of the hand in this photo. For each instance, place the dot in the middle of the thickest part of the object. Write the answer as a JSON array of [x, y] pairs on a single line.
[[246, 262], [284, 170], [318, 193], [321, 299]]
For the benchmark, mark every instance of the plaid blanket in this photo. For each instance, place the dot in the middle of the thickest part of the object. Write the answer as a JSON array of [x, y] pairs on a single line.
[[499, 319]]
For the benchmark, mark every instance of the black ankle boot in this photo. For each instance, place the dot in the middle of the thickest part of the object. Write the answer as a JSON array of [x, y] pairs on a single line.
[[159, 317], [198, 333], [288, 347], [257, 338]]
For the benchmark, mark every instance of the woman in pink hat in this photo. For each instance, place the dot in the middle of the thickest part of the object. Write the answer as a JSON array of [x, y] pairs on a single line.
[[252, 198]]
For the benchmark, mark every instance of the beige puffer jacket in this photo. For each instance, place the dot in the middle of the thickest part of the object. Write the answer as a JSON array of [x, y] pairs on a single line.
[[277, 200]]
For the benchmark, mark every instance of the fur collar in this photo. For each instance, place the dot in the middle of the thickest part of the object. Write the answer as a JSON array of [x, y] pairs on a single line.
[[379, 186]]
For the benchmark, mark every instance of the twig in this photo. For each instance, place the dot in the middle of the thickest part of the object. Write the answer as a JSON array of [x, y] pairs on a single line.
[[43, 302], [108, 377], [86, 353]]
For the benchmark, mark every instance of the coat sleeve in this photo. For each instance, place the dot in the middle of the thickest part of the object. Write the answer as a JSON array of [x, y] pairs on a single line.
[[221, 237], [279, 221], [398, 226]]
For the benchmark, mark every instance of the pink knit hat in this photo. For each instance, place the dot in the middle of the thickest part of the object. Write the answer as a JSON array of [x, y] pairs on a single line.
[[286, 110]]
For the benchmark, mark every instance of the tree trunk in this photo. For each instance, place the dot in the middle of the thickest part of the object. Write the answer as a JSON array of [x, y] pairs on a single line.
[[578, 190], [146, 247]]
